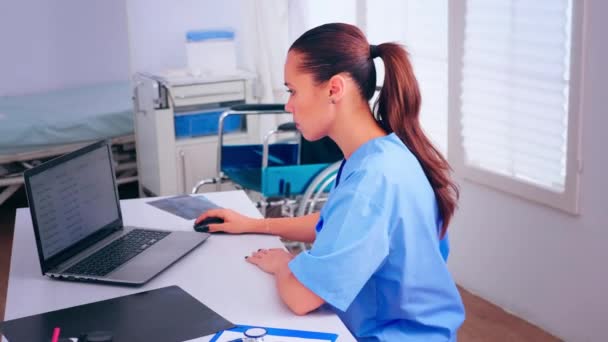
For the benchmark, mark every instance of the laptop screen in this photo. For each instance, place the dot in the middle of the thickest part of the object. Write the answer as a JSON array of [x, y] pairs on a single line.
[[74, 199]]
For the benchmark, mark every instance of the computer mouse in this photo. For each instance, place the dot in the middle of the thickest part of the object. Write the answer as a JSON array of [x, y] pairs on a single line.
[[97, 336], [203, 226]]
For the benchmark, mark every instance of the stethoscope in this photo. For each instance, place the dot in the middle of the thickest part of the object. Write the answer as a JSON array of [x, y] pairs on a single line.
[[252, 335]]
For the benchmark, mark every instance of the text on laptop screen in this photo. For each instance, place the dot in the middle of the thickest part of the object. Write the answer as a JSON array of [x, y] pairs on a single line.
[[74, 200]]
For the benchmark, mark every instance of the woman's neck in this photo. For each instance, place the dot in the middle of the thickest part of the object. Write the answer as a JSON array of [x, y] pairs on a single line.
[[354, 127]]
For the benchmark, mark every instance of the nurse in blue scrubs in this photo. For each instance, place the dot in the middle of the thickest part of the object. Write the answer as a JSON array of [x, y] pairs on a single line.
[[379, 243]]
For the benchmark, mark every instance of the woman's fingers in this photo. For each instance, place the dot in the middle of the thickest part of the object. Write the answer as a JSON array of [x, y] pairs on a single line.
[[261, 253], [212, 213], [255, 258], [216, 227], [258, 254]]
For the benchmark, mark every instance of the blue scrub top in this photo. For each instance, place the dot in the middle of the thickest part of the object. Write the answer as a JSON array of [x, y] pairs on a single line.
[[376, 258]]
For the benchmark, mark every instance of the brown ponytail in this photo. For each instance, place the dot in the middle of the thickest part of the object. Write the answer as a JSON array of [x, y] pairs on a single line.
[[398, 108], [331, 49]]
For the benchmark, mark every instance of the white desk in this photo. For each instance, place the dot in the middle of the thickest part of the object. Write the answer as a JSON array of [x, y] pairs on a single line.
[[216, 273]]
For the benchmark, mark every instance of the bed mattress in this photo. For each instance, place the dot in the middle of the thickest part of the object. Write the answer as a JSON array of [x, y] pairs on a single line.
[[65, 116]]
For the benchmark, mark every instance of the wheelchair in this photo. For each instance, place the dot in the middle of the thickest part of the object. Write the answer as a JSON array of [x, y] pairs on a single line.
[[291, 174]]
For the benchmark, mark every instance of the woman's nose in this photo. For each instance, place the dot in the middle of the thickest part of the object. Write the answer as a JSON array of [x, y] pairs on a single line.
[[289, 107]]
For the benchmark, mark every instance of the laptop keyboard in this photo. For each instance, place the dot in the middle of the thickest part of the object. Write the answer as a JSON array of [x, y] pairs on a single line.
[[117, 253]]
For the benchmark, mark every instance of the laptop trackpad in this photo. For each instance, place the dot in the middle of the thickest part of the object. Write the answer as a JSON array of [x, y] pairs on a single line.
[[160, 256]]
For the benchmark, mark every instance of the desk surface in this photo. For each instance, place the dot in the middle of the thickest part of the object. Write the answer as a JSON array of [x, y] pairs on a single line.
[[215, 273]]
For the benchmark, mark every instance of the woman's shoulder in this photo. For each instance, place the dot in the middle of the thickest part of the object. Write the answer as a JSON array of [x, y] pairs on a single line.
[[386, 156], [384, 167]]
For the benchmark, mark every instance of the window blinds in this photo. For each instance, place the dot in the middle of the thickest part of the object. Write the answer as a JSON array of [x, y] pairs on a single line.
[[514, 89]]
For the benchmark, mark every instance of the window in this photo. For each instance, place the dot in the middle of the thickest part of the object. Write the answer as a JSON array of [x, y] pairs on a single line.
[[513, 69], [513, 96], [422, 27], [304, 15]]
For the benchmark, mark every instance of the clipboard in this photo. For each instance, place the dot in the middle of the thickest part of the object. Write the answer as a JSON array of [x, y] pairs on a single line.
[[276, 334]]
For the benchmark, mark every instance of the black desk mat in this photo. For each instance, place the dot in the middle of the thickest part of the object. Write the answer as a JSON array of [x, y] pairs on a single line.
[[166, 314]]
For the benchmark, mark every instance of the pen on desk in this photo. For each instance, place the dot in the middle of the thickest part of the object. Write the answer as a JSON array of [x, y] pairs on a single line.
[[55, 334]]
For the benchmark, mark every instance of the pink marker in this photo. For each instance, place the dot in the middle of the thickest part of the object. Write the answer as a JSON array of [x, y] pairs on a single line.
[[55, 334]]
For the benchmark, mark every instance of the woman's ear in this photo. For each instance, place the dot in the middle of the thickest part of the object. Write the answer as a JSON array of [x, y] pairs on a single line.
[[336, 85]]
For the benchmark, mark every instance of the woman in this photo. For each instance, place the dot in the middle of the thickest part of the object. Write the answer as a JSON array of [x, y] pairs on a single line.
[[376, 258]]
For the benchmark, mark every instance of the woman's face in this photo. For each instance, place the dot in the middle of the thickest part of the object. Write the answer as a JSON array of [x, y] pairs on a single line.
[[309, 103]]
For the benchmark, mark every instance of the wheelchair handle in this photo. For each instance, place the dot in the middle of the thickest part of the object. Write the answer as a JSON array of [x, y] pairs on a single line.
[[288, 127], [266, 142], [268, 107]]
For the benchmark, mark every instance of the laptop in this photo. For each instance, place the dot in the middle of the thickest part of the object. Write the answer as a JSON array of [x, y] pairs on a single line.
[[78, 224]]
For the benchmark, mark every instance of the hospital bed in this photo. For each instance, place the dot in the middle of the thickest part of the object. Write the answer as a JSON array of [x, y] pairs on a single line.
[[37, 127]]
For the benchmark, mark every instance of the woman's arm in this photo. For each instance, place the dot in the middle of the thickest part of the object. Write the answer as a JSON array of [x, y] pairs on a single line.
[[297, 297], [300, 228]]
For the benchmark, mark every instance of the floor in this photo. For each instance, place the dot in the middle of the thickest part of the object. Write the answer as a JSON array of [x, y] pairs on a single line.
[[485, 321]]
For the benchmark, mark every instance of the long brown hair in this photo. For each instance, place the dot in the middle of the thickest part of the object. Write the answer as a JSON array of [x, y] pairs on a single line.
[[336, 48]]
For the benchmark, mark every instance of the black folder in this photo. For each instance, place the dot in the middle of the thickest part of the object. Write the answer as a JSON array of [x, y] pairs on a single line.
[[165, 314]]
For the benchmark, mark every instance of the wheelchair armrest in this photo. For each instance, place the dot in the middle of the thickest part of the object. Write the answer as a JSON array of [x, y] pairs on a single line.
[[277, 107], [287, 127]]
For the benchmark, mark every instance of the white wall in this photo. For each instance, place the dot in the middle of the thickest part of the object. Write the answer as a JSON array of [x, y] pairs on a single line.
[[61, 43], [157, 28], [544, 265]]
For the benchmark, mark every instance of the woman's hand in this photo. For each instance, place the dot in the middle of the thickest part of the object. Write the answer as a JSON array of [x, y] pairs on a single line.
[[270, 260], [234, 223]]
